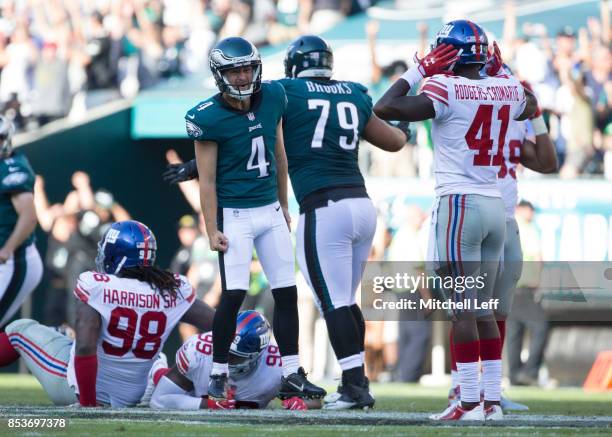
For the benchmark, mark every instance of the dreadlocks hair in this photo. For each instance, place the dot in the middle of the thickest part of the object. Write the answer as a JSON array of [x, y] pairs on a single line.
[[163, 281]]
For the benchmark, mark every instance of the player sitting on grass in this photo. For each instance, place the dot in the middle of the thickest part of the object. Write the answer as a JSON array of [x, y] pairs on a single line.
[[255, 371], [125, 312]]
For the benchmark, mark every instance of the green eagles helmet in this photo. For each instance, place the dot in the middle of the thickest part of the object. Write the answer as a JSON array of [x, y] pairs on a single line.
[[6, 137], [232, 53], [309, 56]]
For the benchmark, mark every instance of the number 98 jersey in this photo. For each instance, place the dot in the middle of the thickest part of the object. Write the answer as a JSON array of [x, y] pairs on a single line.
[[470, 130], [260, 386], [136, 322]]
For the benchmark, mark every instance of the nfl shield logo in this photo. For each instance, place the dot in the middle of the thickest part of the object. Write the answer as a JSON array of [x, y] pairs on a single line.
[[251, 116]]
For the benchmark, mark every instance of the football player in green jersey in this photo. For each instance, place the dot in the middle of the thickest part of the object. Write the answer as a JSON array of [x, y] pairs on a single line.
[[322, 125], [20, 264], [243, 190]]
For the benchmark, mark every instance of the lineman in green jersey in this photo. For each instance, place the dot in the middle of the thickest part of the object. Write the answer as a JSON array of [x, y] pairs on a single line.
[[322, 125], [243, 190], [20, 264]]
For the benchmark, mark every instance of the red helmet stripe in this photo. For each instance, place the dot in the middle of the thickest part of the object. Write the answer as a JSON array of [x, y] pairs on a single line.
[[246, 321], [477, 36], [143, 230]]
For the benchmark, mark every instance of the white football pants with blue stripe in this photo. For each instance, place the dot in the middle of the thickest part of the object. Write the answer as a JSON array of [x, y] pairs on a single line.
[[46, 353], [333, 244], [470, 234]]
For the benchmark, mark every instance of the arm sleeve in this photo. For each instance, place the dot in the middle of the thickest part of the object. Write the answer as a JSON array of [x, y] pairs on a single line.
[[436, 89], [86, 371], [169, 396]]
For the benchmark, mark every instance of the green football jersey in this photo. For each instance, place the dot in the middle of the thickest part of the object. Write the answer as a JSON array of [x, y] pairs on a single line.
[[321, 128], [16, 176], [246, 164]]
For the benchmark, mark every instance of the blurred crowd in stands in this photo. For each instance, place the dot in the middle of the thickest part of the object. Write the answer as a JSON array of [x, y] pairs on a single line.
[[62, 57]]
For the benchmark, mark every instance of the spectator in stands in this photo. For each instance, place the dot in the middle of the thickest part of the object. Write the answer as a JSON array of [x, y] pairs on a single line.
[[51, 94], [318, 16]]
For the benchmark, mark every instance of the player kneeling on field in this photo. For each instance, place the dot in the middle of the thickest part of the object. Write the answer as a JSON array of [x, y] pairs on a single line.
[[125, 312], [255, 371]]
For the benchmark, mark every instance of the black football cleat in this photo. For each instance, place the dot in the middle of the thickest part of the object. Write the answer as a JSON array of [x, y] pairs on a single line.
[[296, 384], [217, 386]]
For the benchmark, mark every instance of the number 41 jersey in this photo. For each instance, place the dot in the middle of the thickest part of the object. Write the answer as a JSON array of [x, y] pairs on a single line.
[[136, 322], [469, 130]]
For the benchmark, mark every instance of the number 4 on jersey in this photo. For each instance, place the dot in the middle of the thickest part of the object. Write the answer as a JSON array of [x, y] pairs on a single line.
[[257, 161]]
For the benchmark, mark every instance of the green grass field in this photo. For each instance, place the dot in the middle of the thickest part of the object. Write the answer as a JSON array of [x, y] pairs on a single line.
[[400, 410]]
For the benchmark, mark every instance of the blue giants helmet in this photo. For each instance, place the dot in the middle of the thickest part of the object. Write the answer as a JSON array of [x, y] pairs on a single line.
[[251, 339], [126, 244], [468, 38]]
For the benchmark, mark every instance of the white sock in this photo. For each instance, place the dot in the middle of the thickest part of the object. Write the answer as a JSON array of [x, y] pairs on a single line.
[[454, 378], [291, 363], [468, 380], [219, 368], [350, 362], [492, 376]]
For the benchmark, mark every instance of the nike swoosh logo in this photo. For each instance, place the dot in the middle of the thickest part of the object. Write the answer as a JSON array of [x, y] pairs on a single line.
[[299, 387], [190, 116], [278, 208]]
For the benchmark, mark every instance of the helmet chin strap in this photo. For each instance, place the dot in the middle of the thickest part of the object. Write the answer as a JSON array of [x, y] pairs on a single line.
[[118, 269]]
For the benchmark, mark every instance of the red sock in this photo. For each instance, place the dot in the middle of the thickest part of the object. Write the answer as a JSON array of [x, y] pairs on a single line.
[[501, 325], [490, 349], [453, 358], [159, 374], [467, 352], [8, 354]]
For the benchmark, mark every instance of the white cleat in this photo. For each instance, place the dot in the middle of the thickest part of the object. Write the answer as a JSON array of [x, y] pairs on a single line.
[[494, 412], [456, 413], [160, 363]]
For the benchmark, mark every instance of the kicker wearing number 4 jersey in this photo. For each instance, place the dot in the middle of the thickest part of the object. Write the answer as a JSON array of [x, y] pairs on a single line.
[[243, 188], [125, 313], [470, 116]]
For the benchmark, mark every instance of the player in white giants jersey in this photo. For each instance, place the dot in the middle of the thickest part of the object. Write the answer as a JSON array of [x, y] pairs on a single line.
[[255, 371], [125, 313], [470, 116]]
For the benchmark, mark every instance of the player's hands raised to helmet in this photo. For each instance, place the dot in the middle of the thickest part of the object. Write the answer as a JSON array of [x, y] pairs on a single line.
[[218, 241], [495, 62], [437, 61]]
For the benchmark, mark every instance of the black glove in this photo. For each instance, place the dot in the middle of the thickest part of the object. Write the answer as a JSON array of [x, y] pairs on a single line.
[[404, 126], [176, 173]]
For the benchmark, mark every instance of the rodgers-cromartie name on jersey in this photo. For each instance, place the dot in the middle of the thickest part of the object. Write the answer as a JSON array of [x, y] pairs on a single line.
[[503, 93], [140, 300], [334, 88]]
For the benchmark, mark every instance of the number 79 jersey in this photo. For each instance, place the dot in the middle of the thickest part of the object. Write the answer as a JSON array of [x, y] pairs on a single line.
[[321, 127], [136, 322], [246, 141], [194, 361], [470, 129]]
